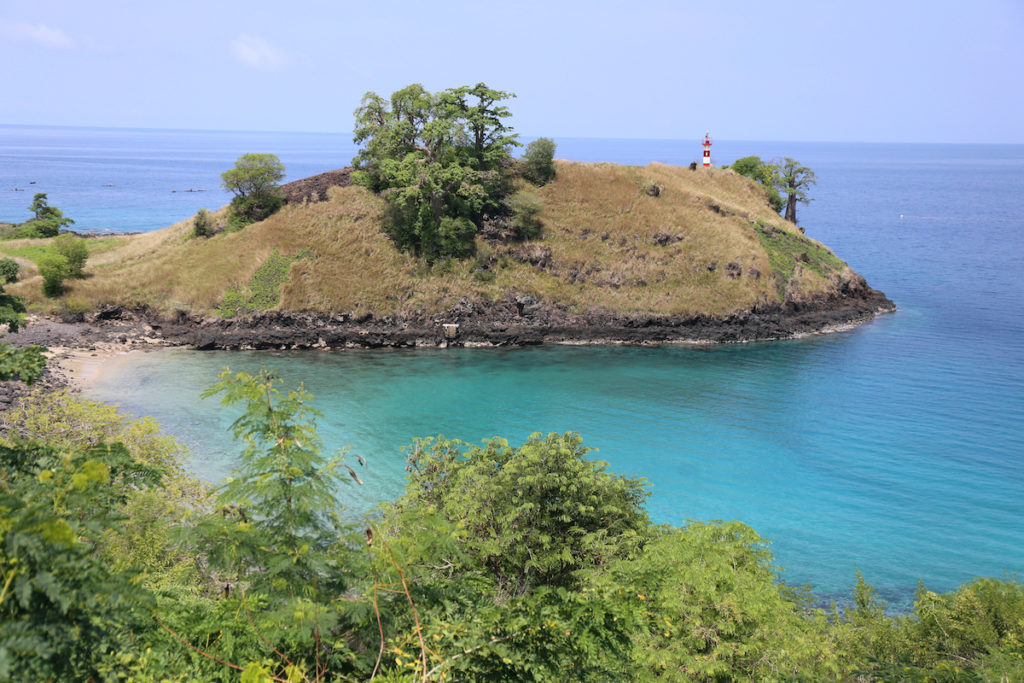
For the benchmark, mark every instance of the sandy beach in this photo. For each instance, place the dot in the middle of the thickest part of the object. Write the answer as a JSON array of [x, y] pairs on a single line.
[[81, 367]]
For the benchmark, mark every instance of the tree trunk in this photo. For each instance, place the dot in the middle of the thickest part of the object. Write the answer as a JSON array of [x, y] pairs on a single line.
[[791, 209]]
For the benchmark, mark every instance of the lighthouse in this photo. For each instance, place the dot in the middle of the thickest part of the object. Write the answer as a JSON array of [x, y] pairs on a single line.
[[707, 150]]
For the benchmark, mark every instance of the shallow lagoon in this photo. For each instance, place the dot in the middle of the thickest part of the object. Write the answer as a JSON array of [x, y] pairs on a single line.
[[824, 445]]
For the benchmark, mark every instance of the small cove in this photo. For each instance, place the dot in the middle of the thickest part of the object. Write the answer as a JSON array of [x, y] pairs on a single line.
[[895, 448]]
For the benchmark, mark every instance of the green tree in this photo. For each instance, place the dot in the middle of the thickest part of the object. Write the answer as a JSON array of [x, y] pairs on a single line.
[[26, 363], [440, 160], [534, 514], [46, 221], [538, 162], [254, 182], [282, 496], [793, 181], [712, 607], [74, 251], [764, 175]]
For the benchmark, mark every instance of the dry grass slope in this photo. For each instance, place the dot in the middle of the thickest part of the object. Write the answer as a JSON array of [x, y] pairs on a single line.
[[700, 246]]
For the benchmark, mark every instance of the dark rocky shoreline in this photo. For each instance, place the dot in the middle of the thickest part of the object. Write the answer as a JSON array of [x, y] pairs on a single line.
[[513, 321]]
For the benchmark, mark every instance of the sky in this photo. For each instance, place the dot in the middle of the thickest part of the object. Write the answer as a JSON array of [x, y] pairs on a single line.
[[813, 70]]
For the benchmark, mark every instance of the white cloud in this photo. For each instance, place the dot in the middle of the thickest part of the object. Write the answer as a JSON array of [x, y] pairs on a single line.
[[258, 53], [41, 34]]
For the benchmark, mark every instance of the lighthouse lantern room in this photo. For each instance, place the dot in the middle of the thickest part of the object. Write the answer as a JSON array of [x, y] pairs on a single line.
[[707, 150]]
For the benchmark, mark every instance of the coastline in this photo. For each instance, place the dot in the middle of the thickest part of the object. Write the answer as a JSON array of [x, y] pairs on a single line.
[[79, 347]]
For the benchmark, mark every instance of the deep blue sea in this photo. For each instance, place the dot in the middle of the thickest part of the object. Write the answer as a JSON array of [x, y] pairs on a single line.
[[896, 448]]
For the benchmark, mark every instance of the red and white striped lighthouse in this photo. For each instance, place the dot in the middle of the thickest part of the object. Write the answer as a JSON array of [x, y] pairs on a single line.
[[707, 150]]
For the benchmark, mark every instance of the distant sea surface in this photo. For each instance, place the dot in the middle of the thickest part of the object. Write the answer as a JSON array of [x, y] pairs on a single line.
[[896, 448]]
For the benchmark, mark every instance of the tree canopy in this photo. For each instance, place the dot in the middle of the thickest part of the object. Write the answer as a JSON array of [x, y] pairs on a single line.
[[441, 160], [785, 181], [254, 182], [538, 161], [763, 174], [793, 181]]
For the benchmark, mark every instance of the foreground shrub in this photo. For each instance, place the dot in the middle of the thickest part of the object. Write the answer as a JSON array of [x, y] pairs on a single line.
[[534, 514]]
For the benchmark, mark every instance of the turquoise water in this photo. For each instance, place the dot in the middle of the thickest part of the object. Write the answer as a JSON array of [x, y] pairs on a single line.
[[896, 448]]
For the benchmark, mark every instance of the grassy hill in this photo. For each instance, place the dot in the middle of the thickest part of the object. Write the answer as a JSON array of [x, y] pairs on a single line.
[[706, 244]]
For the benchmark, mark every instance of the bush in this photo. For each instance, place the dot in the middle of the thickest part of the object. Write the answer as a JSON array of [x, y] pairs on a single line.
[[252, 209], [525, 207], [202, 225], [456, 237], [74, 251], [54, 268], [538, 164], [9, 270], [536, 514], [253, 180]]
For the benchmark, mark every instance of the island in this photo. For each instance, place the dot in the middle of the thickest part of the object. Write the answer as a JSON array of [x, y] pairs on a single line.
[[622, 254]]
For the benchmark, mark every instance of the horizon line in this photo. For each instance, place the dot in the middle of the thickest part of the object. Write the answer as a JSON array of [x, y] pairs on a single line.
[[564, 137]]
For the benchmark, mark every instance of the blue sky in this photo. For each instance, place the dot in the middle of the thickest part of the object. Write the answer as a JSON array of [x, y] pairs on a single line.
[[839, 70]]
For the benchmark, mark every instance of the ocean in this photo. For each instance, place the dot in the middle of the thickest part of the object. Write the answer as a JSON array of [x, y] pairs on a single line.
[[896, 449]]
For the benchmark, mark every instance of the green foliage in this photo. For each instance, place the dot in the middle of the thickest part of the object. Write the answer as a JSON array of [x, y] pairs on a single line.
[[9, 270], [54, 268], [254, 182], [538, 162], [263, 291], [792, 180], [74, 251], [26, 364], [499, 563], [202, 224], [64, 259], [440, 160], [283, 527], [533, 515], [12, 310], [766, 175], [975, 633], [525, 207], [710, 607], [62, 607]]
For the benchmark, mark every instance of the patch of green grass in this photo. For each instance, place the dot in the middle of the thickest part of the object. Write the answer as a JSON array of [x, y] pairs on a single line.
[[786, 249], [264, 289], [33, 252]]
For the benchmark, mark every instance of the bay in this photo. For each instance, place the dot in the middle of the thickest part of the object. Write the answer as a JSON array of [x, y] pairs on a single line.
[[895, 448]]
